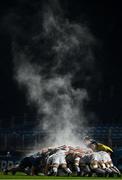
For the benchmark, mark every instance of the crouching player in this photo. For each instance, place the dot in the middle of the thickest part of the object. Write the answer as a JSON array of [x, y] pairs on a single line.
[[23, 166], [29, 165], [55, 161], [89, 164], [107, 164]]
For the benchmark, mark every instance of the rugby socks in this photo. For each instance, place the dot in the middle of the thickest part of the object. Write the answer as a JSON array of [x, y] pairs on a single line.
[[68, 171], [55, 170]]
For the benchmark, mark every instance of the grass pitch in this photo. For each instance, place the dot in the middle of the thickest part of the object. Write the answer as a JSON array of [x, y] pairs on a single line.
[[24, 177]]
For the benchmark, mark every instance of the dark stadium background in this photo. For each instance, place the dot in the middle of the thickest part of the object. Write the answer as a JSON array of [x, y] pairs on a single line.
[[104, 20]]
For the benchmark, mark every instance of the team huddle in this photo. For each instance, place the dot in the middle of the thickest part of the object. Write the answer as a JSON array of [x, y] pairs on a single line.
[[93, 159]]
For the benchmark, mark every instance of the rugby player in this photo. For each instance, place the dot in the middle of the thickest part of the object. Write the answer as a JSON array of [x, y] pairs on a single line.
[[29, 165], [55, 160]]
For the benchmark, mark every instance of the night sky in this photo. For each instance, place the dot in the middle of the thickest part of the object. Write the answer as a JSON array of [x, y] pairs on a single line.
[[104, 21]]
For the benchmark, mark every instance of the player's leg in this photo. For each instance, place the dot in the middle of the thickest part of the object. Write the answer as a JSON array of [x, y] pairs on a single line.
[[55, 164], [25, 165], [34, 171], [63, 165], [76, 165], [13, 170], [95, 168], [66, 169], [85, 169], [55, 169], [115, 170]]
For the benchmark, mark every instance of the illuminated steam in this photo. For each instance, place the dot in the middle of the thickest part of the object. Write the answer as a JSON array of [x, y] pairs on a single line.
[[46, 67]]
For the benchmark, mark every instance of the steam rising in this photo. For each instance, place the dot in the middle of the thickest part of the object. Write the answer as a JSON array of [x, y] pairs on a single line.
[[47, 66]]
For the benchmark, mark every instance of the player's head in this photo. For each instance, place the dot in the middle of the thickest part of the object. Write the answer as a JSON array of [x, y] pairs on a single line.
[[87, 140], [93, 145]]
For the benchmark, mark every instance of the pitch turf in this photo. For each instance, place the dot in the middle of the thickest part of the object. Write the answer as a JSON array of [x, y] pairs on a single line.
[[24, 177]]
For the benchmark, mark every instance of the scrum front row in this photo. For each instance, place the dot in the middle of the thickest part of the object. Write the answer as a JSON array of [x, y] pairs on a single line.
[[67, 160]]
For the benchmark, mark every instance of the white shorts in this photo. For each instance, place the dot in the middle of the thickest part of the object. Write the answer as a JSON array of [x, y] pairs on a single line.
[[56, 159]]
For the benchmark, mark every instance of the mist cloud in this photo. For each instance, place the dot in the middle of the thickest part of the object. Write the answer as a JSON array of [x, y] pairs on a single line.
[[46, 66]]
